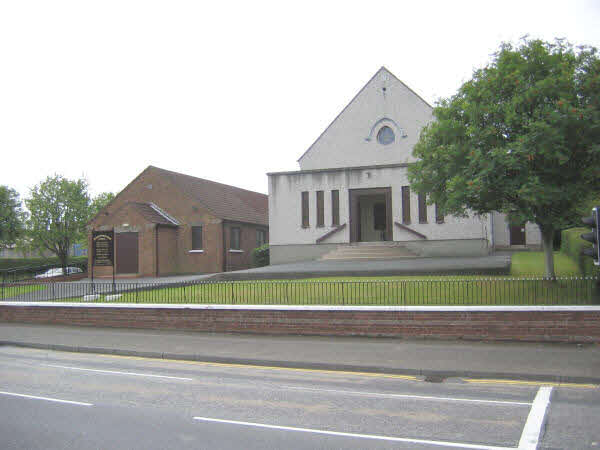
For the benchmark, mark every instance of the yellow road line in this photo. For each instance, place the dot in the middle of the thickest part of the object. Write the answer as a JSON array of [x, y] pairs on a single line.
[[530, 383], [254, 366]]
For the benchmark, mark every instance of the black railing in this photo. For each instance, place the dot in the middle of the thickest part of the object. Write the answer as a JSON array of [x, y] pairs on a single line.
[[423, 291]]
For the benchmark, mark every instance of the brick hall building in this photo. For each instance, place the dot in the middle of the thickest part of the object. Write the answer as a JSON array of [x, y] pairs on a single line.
[[166, 223]]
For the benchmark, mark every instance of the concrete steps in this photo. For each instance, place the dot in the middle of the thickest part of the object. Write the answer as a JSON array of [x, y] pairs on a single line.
[[369, 250]]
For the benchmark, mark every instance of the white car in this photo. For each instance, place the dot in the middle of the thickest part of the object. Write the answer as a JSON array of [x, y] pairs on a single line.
[[57, 272]]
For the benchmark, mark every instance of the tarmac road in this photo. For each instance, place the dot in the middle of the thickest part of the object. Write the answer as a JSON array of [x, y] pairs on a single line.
[[68, 400]]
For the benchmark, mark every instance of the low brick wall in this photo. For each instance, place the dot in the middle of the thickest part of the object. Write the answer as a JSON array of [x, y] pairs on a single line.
[[533, 324]]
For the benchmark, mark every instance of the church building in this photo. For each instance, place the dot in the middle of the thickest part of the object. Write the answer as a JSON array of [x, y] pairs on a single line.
[[167, 223], [352, 189]]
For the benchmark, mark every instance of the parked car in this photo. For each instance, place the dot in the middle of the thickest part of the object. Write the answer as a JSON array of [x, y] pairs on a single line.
[[58, 271]]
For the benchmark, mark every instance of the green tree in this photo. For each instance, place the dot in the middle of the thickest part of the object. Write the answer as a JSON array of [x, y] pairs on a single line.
[[59, 210], [99, 202], [521, 137], [11, 217]]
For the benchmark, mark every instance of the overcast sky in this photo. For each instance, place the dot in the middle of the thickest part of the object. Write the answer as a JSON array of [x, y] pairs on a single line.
[[223, 90]]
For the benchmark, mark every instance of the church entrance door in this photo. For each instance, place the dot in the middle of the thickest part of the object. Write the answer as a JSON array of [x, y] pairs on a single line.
[[371, 215]]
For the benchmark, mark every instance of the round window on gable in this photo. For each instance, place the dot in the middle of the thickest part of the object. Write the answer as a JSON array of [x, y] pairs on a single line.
[[386, 136]]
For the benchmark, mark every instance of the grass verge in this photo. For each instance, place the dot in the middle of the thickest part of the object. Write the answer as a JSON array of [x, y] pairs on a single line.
[[532, 264], [391, 291], [13, 291]]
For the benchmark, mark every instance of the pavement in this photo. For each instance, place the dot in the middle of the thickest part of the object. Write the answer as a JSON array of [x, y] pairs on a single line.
[[560, 363]]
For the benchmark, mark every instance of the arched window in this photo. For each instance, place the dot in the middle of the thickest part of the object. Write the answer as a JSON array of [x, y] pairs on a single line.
[[386, 136]]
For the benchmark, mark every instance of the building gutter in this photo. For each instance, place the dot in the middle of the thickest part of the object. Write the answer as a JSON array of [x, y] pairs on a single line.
[[341, 169], [224, 268]]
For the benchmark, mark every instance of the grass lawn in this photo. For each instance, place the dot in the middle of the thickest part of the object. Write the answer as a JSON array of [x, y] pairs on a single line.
[[12, 291], [391, 291], [532, 263], [530, 289]]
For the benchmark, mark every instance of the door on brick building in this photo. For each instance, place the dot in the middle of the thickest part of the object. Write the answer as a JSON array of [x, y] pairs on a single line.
[[127, 252]]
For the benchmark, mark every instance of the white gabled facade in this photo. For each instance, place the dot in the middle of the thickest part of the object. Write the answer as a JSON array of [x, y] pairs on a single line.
[[363, 155], [351, 139]]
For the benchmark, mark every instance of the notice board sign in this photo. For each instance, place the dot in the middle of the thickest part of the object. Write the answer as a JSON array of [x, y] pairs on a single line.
[[103, 247]]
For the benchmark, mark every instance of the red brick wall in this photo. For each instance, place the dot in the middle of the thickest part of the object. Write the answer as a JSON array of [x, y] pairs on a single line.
[[167, 250], [188, 212], [533, 326], [241, 260]]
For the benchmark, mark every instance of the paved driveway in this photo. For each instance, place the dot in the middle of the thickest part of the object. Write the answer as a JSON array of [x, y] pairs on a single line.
[[406, 266]]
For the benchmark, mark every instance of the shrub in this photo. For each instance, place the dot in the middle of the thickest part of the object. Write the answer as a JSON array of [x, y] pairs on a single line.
[[260, 256], [12, 263], [572, 245]]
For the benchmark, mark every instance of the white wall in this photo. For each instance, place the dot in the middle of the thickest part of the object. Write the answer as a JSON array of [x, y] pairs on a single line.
[[533, 236], [285, 207], [345, 144]]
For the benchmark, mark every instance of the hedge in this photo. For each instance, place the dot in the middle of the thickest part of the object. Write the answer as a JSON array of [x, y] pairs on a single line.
[[12, 263], [572, 245], [260, 256]]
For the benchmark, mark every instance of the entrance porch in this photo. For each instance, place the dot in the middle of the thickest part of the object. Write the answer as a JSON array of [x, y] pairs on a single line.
[[371, 215]]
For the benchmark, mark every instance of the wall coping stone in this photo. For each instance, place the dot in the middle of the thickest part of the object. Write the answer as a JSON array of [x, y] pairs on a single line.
[[513, 308]]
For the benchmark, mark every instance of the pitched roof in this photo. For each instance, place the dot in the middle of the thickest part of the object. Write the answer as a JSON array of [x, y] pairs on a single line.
[[224, 201], [153, 213]]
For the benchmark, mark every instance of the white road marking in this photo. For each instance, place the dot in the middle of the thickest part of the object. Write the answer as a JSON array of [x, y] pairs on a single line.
[[356, 435], [533, 427], [416, 397], [35, 397], [118, 373]]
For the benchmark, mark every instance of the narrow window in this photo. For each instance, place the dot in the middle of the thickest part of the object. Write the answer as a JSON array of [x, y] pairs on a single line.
[[305, 222], [235, 239], [406, 205], [261, 238], [197, 238], [335, 208], [422, 208], [320, 209], [439, 218]]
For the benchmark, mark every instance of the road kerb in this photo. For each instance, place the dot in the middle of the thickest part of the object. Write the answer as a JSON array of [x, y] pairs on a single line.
[[406, 373]]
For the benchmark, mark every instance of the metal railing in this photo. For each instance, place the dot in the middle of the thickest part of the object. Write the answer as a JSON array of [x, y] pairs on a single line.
[[423, 291]]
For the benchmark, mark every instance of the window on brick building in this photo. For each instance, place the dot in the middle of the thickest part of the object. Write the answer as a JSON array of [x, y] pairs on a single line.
[[261, 238], [234, 243], [197, 243]]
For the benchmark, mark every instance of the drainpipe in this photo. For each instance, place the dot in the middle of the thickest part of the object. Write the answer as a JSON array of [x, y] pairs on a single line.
[[224, 247], [156, 248]]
